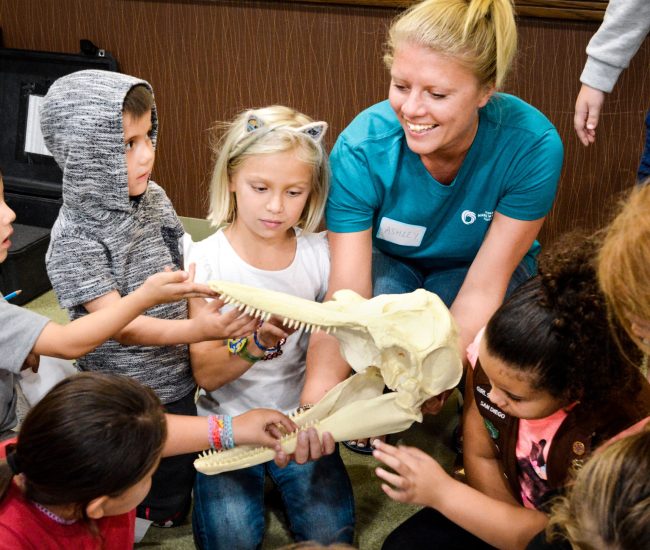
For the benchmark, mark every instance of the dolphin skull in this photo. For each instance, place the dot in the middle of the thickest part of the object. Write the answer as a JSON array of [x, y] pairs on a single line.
[[408, 342]]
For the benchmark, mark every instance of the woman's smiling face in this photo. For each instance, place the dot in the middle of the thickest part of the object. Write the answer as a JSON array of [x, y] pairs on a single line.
[[436, 100]]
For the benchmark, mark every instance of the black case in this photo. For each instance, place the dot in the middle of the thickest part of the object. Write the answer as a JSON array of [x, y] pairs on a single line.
[[32, 179]]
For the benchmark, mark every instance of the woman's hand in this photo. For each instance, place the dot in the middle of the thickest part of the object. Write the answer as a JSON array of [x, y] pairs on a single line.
[[417, 478]]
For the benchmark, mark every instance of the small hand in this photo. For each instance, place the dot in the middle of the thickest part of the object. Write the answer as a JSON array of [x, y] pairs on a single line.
[[271, 332], [261, 427], [417, 477], [587, 112], [434, 404], [172, 286], [213, 325], [308, 447], [32, 361]]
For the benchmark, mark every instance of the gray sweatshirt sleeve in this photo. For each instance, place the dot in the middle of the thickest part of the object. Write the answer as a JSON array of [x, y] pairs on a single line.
[[618, 38], [79, 270]]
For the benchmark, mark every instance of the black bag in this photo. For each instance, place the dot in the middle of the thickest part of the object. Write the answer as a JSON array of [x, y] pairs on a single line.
[[32, 179]]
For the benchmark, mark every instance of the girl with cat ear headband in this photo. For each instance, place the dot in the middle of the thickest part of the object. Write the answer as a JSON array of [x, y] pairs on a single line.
[[268, 193]]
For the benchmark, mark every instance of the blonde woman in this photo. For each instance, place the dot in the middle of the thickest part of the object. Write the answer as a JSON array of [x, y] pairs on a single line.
[[446, 184]]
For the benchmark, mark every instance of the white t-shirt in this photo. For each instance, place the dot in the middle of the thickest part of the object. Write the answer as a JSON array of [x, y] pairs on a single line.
[[277, 383]]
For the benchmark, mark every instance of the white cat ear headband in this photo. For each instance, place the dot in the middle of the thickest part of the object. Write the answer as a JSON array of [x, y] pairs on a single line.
[[314, 130]]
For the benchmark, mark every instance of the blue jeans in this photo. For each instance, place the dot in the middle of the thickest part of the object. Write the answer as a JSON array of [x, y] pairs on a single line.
[[317, 497], [392, 276]]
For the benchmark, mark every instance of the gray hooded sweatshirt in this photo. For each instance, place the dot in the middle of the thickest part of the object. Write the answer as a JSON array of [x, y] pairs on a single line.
[[103, 240]]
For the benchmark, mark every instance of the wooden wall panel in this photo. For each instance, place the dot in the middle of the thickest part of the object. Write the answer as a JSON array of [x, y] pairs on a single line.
[[209, 59]]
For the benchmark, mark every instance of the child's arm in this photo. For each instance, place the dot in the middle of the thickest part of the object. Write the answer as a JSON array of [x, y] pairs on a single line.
[[209, 324], [150, 331], [83, 335], [419, 479], [213, 365], [189, 434]]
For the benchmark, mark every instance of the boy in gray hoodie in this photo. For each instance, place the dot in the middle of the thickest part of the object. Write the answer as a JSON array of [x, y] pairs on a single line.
[[116, 228]]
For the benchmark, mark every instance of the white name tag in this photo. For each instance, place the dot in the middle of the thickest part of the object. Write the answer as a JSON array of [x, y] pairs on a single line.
[[400, 233]]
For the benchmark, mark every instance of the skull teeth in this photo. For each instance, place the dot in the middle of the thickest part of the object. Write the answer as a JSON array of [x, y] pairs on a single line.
[[265, 316]]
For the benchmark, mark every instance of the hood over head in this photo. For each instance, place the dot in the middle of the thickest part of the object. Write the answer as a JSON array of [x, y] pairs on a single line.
[[81, 121]]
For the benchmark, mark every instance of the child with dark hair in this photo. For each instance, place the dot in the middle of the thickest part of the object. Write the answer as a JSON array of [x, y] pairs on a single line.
[[114, 229], [85, 457], [547, 369]]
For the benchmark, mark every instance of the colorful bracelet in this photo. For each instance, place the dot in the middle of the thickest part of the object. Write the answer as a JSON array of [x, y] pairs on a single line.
[[215, 427], [220, 432], [269, 353], [227, 437], [239, 347]]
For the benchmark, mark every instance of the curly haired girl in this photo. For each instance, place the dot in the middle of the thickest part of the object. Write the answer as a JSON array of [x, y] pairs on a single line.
[[549, 384]]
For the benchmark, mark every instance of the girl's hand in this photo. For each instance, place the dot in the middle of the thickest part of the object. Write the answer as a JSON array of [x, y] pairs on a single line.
[[417, 478], [261, 427], [213, 325], [308, 448], [434, 404], [271, 332]]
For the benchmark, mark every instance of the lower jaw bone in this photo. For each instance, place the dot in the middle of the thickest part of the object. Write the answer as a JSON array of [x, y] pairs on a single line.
[[353, 409]]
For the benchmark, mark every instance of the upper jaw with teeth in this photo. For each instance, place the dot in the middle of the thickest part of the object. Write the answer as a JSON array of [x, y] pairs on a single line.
[[408, 342]]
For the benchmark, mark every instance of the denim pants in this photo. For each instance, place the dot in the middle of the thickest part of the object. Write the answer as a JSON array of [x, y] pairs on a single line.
[[392, 276], [317, 497]]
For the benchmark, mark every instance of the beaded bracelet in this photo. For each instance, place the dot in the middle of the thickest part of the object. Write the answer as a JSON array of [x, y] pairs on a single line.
[[239, 347], [269, 353]]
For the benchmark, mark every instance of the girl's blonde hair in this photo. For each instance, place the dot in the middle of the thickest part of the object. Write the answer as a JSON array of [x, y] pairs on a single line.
[[624, 263], [277, 135], [481, 34], [608, 506]]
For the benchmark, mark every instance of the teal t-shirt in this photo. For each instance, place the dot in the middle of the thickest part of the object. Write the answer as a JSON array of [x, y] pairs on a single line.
[[512, 167]]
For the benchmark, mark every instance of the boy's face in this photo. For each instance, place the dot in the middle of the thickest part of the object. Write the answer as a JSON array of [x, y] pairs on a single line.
[[7, 217], [139, 150]]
